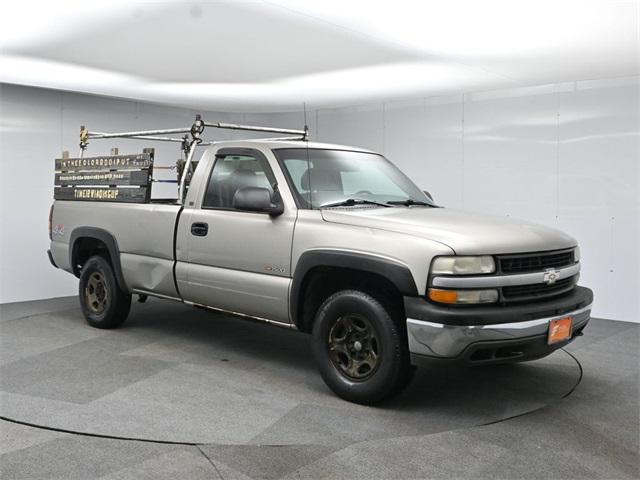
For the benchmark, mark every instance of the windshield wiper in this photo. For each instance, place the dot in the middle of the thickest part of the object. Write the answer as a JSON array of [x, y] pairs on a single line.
[[353, 201], [408, 202]]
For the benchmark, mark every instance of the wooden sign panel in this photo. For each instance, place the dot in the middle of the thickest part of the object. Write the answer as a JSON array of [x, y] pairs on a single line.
[[110, 178], [114, 177], [103, 194], [107, 162]]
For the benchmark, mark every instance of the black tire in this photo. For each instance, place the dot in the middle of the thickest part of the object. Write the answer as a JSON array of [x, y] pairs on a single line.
[[102, 302], [345, 360]]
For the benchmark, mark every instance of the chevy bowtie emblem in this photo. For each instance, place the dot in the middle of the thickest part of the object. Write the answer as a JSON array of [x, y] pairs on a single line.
[[550, 276]]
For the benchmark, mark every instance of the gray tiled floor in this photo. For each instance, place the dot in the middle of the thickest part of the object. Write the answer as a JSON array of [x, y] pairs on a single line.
[[249, 395]]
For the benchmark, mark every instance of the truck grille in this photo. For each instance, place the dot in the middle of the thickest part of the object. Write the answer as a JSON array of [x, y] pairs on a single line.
[[538, 290], [535, 262]]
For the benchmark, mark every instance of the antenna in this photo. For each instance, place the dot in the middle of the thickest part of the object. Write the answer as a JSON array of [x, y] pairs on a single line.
[[306, 138], [306, 125]]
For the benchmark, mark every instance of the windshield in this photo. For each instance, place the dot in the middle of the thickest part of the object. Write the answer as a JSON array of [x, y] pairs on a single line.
[[325, 177]]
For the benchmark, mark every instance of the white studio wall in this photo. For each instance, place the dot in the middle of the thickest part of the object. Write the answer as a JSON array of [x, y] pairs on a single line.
[[564, 155]]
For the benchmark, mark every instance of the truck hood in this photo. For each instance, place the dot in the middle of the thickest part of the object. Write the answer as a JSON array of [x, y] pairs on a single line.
[[464, 232]]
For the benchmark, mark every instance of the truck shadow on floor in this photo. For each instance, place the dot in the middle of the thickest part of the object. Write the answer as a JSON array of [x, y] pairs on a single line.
[[218, 339]]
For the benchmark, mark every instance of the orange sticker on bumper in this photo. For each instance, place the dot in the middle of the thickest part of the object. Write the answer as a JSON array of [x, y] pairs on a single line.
[[560, 330]]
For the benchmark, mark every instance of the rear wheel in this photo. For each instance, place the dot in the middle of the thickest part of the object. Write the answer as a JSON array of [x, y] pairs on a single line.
[[360, 350], [103, 303]]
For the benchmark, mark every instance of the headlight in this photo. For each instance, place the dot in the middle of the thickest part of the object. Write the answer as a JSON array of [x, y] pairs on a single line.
[[463, 297], [576, 254], [454, 265]]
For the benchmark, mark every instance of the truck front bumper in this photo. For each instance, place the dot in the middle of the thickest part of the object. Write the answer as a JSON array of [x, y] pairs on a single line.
[[495, 334]]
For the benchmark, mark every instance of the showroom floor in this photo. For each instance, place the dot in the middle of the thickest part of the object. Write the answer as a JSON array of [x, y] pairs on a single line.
[[183, 392]]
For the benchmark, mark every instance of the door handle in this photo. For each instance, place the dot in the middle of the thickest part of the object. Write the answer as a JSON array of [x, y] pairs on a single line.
[[199, 229]]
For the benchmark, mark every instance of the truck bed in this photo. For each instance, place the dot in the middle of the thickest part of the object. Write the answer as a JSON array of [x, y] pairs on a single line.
[[144, 235]]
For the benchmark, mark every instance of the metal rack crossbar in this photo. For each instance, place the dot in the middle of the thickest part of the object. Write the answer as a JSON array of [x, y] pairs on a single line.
[[251, 128], [189, 145], [143, 133]]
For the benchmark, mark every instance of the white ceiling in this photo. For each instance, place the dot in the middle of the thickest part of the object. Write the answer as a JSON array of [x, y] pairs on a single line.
[[273, 55]]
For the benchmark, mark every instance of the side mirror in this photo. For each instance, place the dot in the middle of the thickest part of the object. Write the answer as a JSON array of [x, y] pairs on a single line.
[[428, 195], [256, 199]]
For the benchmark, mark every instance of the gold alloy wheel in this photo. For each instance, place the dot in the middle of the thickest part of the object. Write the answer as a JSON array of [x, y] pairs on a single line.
[[96, 293], [354, 347]]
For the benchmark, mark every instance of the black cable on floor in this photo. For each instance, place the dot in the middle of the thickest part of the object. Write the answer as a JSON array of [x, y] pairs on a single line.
[[97, 435], [114, 437], [543, 406], [581, 373]]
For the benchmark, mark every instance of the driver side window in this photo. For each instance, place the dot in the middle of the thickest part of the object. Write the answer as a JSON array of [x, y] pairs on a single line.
[[231, 173]]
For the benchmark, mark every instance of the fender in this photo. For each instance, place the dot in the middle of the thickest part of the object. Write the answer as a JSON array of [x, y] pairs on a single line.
[[395, 272], [111, 244]]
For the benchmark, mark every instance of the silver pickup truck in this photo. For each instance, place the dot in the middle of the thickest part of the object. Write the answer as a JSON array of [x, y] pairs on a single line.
[[336, 242]]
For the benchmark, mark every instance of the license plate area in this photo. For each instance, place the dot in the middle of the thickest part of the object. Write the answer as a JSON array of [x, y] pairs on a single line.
[[560, 329]]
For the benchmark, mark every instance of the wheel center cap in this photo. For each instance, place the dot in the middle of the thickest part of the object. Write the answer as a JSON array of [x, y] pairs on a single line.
[[357, 346]]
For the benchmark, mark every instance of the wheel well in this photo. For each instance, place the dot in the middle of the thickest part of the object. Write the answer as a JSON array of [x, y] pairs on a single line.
[[86, 247], [322, 282]]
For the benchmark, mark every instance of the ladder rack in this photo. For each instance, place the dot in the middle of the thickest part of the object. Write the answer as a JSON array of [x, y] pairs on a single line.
[[190, 141]]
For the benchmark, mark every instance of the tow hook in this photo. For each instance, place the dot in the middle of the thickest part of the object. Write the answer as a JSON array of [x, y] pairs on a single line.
[[142, 298]]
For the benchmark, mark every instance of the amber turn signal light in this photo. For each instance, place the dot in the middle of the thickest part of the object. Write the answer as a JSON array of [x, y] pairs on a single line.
[[463, 297], [443, 296]]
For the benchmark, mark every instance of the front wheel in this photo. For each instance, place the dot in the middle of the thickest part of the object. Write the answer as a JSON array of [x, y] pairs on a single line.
[[360, 350], [103, 303]]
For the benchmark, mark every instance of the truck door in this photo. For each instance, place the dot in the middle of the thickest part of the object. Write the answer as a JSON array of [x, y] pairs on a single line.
[[236, 260]]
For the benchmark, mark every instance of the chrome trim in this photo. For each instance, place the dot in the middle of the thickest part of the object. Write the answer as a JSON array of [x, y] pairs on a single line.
[[289, 326], [140, 291], [514, 325], [494, 281], [449, 341]]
